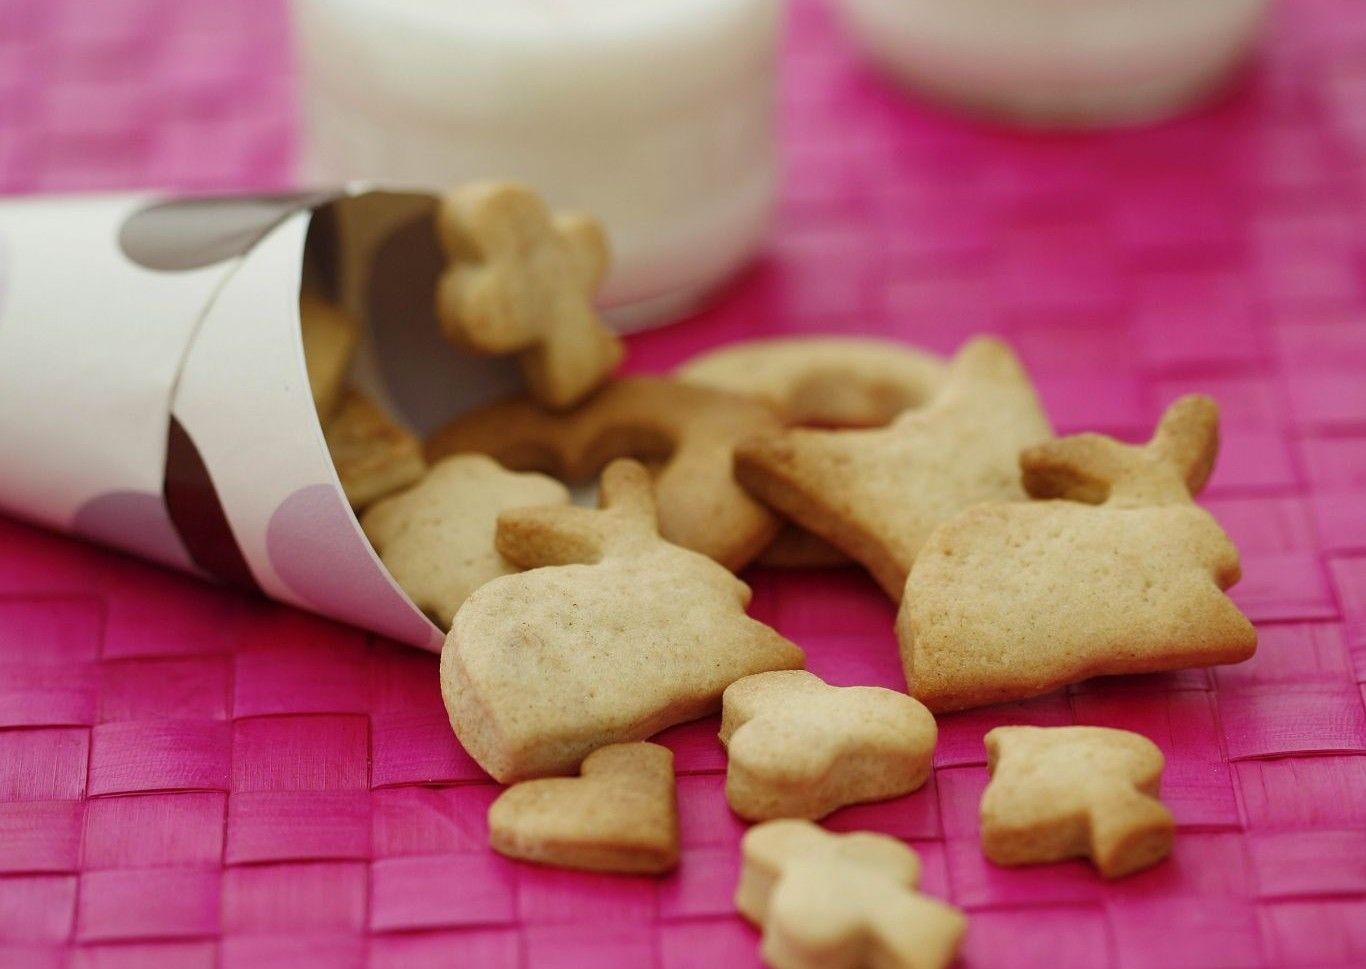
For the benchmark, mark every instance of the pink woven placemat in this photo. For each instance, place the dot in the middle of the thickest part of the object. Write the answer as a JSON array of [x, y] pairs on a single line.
[[190, 779]]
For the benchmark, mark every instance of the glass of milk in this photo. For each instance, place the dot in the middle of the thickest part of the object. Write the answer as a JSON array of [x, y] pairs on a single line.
[[657, 117]]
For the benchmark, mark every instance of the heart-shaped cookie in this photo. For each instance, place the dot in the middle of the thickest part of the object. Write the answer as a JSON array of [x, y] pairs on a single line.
[[620, 814]]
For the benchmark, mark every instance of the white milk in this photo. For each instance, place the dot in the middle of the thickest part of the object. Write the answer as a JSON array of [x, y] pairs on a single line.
[[656, 117]]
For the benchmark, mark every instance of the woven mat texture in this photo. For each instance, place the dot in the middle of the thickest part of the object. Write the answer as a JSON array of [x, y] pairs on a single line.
[[190, 778]]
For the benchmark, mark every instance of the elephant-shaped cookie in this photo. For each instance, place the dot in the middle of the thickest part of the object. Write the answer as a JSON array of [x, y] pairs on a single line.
[[1117, 572]]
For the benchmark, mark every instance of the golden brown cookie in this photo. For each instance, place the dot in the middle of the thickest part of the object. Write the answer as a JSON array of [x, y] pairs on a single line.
[[620, 814], [1010, 600], [689, 433], [1070, 792], [823, 381], [799, 748], [820, 381], [523, 281], [330, 337], [436, 538], [877, 494], [826, 901], [374, 455], [612, 636], [796, 548]]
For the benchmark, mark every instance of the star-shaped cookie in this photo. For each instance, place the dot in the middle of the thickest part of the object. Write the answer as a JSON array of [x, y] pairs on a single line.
[[877, 494], [436, 538], [520, 280]]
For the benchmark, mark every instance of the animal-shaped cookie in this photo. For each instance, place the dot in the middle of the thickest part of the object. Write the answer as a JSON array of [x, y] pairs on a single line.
[[522, 281], [827, 901], [620, 814], [330, 337], [612, 636], [799, 748], [877, 494], [825, 381], [374, 455], [689, 433], [1068, 792], [437, 538], [1123, 573]]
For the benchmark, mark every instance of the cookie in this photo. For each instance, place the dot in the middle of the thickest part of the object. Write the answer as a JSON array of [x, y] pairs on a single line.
[[620, 814], [689, 433], [612, 636], [436, 538], [1070, 792], [822, 381], [520, 280], [1120, 573], [330, 337], [796, 548], [373, 454], [827, 901], [826, 381], [877, 494], [799, 748]]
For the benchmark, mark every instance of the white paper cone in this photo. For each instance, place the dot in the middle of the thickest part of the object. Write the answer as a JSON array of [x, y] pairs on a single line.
[[153, 392]]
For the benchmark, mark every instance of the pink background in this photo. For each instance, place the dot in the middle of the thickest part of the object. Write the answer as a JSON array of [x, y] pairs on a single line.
[[189, 778]]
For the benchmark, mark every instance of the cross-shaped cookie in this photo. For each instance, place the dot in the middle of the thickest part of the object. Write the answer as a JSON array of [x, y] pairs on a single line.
[[827, 901], [1067, 792], [522, 281]]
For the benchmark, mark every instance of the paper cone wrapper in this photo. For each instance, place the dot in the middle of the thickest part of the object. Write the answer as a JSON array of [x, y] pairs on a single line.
[[153, 392]]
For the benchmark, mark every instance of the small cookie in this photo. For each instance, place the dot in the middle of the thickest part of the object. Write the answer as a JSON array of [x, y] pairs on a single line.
[[877, 494], [1068, 792], [521, 281], [1010, 600], [612, 636], [690, 432], [796, 548], [825, 381], [799, 748], [374, 456], [330, 337], [620, 814], [827, 901], [436, 538]]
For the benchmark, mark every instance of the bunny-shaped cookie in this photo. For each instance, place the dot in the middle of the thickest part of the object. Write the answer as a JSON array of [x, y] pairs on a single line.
[[612, 636], [1122, 574]]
